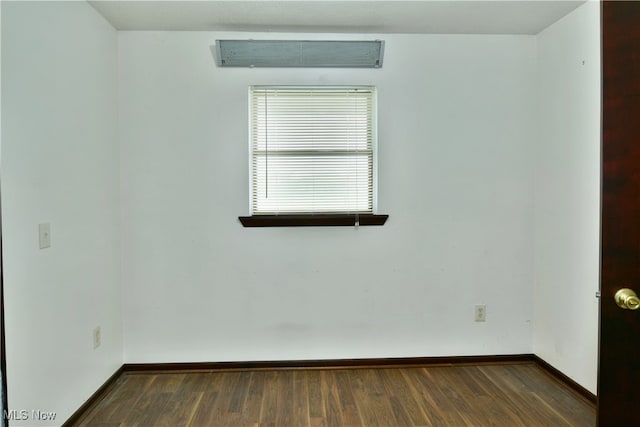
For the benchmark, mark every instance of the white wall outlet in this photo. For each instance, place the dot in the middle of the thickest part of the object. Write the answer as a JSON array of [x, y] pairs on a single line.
[[97, 337], [481, 313], [44, 232]]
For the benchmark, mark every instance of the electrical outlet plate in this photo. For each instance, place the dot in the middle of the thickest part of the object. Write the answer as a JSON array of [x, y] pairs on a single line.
[[481, 313], [97, 337]]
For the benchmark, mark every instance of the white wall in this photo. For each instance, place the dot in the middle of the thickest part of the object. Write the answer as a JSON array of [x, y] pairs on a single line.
[[196, 286], [567, 195], [456, 127], [60, 164]]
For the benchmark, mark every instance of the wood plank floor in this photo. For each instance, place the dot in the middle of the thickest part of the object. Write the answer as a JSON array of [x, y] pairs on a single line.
[[503, 395]]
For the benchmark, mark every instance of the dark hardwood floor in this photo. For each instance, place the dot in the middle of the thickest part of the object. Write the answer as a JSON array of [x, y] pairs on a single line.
[[504, 395]]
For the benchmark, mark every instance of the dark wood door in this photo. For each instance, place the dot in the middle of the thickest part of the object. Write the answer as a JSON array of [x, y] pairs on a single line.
[[619, 373]]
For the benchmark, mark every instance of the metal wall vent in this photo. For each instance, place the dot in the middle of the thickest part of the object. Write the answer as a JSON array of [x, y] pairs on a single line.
[[299, 53]]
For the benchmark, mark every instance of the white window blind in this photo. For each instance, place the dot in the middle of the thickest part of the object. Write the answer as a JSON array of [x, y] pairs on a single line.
[[312, 150]]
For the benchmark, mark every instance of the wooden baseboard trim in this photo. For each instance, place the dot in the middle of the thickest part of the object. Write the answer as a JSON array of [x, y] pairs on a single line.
[[555, 373], [324, 364], [95, 398]]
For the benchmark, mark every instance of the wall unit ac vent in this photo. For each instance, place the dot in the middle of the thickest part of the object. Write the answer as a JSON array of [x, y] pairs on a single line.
[[299, 53]]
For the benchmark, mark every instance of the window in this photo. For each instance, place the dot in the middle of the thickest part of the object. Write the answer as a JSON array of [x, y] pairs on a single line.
[[312, 150]]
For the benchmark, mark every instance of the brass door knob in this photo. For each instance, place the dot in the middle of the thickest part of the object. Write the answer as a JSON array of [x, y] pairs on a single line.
[[627, 299]]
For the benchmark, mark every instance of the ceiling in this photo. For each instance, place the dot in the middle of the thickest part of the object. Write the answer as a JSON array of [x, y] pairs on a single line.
[[338, 16]]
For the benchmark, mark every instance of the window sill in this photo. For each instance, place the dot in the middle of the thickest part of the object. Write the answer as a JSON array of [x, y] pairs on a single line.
[[320, 220]]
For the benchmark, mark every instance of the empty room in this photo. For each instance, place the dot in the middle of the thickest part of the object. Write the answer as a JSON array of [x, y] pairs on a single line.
[[287, 213]]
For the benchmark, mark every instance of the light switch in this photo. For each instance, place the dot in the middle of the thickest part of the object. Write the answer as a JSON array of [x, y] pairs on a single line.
[[45, 235]]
